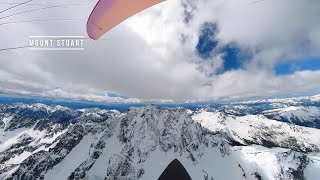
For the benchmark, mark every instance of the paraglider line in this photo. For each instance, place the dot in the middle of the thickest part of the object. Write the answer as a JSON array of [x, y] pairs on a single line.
[[39, 20], [14, 48], [255, 2], [43, 4], [19, 4], [38, 9]]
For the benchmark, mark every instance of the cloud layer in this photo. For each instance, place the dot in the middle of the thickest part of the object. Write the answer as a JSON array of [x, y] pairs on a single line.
[[153, 56]]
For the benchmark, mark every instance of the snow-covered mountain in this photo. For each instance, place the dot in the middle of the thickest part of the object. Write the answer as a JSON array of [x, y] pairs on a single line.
[[301, 115], [55, 142], [304, 111]]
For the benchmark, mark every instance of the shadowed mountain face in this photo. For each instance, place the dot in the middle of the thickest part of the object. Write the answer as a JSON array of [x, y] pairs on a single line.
[[175, 171]]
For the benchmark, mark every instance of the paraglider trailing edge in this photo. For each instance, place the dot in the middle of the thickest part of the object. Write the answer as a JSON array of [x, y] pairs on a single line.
[[107, 14]]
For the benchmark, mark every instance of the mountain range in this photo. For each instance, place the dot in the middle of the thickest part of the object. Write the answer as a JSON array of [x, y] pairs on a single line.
[[262, 139]]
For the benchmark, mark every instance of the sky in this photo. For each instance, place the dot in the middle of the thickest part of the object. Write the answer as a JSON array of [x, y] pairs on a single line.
[[177, 51]]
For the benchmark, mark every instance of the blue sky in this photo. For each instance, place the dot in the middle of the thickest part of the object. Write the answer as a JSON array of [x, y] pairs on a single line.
[[234, 57], [208, 46], [289, 67]]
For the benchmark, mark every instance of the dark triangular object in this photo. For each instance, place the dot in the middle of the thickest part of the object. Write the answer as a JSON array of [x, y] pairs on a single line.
[[175, 171]]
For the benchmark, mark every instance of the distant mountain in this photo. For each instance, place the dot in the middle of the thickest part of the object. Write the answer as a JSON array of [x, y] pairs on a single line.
[[300, 115], [304, 111], [55, 142]]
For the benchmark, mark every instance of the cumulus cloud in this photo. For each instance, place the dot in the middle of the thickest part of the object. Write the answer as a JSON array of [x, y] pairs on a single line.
[[153, 55]]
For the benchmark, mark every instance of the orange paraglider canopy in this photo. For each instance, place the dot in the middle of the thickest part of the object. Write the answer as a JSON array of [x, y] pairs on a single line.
[[109, 13]]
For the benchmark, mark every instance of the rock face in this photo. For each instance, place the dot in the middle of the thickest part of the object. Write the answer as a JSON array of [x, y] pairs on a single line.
[[62, 143]]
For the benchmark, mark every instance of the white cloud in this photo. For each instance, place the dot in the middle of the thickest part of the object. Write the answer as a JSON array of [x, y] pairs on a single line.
[[60, 93], [152, 56]]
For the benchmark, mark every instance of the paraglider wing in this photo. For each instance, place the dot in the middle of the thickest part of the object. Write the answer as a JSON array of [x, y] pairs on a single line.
[[109, 13]]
